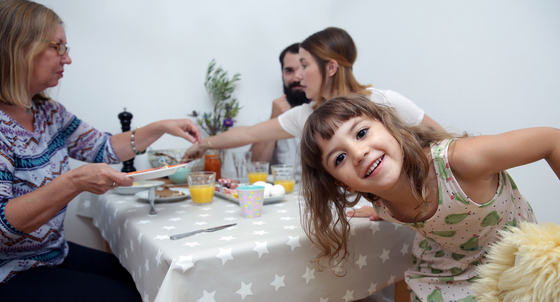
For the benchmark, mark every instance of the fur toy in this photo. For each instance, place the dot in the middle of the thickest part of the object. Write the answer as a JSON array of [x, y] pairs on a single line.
[[524, 266]]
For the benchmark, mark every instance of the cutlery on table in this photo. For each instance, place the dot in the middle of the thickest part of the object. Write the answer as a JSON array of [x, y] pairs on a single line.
[[178, 236], [151, 197]]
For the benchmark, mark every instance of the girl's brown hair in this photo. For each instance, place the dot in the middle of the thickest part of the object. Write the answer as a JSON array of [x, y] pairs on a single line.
[[325, 222], [335, 44], [26, 29]]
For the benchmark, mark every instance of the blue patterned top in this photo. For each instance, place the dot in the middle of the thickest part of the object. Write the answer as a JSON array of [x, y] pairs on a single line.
[[29, 161]]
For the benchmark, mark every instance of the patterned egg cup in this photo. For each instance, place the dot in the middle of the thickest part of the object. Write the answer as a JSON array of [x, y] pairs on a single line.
[[251, 200]]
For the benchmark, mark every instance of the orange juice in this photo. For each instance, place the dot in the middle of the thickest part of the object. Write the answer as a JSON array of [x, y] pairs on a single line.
[[288, 184], [202, 193], [258, 176]]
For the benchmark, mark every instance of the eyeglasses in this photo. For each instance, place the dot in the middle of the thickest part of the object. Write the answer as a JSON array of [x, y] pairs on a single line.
[[61, 49]]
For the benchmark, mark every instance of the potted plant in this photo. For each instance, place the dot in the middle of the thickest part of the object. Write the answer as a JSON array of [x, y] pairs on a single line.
[[220, 88]]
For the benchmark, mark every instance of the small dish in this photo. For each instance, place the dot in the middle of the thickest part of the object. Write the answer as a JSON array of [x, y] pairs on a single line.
[[180, 176], [143, 196], [138, 186], [155, 172], [267, 200]]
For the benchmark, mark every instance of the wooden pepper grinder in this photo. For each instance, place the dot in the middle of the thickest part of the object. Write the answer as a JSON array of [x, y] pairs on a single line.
[[126, 117]]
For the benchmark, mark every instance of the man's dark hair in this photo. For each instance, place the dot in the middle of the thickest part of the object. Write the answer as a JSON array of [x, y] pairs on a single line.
[[294, 48]]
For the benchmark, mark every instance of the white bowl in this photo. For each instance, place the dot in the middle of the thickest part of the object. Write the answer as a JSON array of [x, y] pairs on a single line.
[[167, 156]]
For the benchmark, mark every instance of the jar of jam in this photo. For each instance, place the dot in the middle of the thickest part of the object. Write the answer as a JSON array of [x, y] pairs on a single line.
[[212, 162]]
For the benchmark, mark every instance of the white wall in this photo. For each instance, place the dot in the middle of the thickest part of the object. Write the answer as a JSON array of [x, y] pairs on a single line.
[[481, 66]]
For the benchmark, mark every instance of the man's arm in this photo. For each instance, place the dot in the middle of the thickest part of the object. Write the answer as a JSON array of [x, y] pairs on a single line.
[[263, 151]]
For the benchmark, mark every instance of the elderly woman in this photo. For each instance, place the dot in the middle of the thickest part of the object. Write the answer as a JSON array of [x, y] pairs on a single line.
[[37, 137]]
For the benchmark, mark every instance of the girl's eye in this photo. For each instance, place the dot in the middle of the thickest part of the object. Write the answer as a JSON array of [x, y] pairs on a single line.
[[339, 159], [361, 133]]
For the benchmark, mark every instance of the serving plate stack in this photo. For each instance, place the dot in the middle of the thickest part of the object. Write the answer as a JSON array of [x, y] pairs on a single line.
[[143, 196], [138, 186]]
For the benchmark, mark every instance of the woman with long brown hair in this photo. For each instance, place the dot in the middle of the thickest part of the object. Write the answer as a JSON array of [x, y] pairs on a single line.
[[326, 58]]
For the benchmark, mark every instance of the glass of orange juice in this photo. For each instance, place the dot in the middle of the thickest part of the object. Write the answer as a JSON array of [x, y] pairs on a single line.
[[257, 171], [284, 175], [201, 186]]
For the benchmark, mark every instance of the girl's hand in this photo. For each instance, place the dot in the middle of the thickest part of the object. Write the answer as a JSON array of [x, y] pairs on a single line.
[[184, 128], [365, 211], [97, 178]]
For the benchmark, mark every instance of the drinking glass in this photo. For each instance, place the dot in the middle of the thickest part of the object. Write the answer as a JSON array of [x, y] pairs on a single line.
[[240, 160], [257, 171], [201, 186], [284, 175]]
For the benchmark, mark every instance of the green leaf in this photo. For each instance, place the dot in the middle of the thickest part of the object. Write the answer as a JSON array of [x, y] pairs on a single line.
[[220, 89]]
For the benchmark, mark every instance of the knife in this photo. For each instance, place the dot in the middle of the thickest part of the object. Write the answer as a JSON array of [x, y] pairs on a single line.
[[183, 235]]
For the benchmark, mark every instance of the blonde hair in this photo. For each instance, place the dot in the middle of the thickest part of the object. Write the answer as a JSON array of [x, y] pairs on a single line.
[[26, 28], [335, 44], [325, 222]]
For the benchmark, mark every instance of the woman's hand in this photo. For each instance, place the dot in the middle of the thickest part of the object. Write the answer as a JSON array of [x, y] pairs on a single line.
[[98, 178], [195, 151], [365, 211], [184, 128], [32, 210], [145, 136]]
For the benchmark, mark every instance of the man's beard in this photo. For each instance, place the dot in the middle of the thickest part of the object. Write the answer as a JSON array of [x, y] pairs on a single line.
[[295, 97]]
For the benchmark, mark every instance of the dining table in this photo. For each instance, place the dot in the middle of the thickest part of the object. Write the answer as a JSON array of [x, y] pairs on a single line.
[[266, 258]]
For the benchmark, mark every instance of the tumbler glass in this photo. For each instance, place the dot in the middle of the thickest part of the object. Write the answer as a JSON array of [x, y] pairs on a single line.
[[201, 186]]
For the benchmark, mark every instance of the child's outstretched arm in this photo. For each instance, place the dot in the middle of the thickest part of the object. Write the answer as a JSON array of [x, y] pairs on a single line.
[[365, 211], [483, 156]]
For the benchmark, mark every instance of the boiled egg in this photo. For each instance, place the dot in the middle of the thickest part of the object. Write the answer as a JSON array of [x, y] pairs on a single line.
[[277, 190], [260, 183], [267, 188]]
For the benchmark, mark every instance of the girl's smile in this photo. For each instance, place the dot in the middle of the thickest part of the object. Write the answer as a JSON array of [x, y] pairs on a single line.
[[374, 167], [362, 155]]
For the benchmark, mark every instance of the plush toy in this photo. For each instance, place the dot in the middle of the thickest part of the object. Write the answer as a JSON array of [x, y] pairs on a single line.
[[523, 266]]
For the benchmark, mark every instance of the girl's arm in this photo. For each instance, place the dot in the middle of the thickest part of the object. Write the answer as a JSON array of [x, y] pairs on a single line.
[[269, 130], [365, 211], [483, 156]]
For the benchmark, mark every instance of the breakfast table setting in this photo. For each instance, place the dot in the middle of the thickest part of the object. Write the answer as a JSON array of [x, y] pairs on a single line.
[[232, 248]]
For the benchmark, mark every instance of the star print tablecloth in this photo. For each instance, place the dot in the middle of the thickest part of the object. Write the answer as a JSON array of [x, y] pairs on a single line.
[[259, 259]]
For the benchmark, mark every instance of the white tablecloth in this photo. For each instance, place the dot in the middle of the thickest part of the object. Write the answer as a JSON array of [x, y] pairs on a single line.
[[260, 259]]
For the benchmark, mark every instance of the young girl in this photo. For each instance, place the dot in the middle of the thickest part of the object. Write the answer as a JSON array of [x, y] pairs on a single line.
[[453, 191]]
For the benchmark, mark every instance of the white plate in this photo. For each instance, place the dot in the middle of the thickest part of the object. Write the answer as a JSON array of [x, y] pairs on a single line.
[[138, 186], [143, 195], [267, 200], [155, 172]]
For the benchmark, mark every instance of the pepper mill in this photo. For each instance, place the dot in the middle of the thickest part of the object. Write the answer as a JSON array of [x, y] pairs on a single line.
[[126, 117]]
